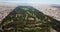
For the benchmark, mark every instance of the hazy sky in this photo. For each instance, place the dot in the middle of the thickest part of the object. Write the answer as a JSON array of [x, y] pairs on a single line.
[[32, 1]]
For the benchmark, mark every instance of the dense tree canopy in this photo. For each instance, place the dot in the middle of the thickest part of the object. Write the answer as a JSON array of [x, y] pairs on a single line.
[[28, 19]]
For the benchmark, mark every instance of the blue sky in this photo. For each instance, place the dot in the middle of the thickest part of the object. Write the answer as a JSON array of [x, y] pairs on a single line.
[[31, 1]]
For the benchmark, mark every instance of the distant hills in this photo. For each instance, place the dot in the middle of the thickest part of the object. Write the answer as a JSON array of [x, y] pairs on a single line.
[[55, 5]]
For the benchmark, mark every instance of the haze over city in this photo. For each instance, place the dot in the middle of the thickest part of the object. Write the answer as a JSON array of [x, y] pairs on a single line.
[[33, 1]]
